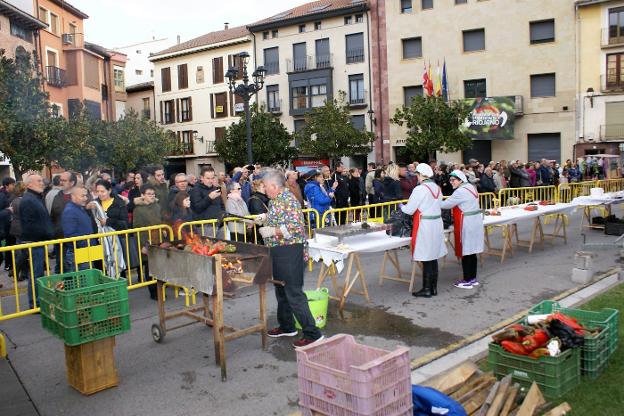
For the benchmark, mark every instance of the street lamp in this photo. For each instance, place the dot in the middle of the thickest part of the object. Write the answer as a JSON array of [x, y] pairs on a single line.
[[245, 90]]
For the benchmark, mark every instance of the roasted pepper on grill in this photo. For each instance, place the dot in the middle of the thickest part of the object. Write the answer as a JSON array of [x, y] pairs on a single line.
[[539, 339], [514, 347]]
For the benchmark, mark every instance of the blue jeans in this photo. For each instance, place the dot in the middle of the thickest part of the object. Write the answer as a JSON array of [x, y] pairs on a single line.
[[38, 270]]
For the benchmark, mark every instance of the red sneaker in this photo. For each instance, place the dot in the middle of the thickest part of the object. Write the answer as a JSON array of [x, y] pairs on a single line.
[[304, 342], [278, 332]]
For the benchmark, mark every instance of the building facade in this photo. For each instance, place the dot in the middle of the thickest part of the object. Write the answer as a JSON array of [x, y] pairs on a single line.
[[141, 99], [192, 94], [526, 53], [600, 88], [139, 69], [310, 54], [18, 29]]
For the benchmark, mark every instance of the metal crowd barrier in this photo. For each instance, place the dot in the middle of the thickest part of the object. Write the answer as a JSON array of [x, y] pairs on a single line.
[[516, 196], [566, 192], [611, 185]]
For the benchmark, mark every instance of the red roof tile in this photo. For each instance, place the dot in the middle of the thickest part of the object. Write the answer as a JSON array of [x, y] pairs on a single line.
[[310, 9], [207, 39]]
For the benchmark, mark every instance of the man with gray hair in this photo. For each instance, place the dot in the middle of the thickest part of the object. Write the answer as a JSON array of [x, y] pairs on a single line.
[[284, 231]]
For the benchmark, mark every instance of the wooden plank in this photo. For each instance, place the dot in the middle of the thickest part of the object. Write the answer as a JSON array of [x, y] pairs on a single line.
[[499, 399], [475, 402], [488, 401], [532, 401], [472, 384], [486, 385], [451, 380], [560, 410], [510, 401]]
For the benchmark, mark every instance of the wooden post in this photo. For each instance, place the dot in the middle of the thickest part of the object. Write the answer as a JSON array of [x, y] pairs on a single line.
[[263, 317]]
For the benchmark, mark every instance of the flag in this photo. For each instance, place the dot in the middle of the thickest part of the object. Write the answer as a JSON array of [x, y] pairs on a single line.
[[438, 81], [445, 93], [428, 85], [425, 81]]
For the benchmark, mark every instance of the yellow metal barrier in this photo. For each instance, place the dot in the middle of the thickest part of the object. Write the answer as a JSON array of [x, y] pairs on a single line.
[[370, 213], [566, 192], [124, 256], [515, 196], [611, 185]]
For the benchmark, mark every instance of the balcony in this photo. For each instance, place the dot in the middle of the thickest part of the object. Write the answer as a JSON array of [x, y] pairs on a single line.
[[55, 77], [611, 39], [359, 100], [611, 84], [210, 147], [309, 63], [355, 55], [612, 131], [274, 107], [73, 40]]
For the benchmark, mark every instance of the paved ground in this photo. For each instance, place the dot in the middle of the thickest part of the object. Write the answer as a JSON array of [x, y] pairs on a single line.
[[180, 377]]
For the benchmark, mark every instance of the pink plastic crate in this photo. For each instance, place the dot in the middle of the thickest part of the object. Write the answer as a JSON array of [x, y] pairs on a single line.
[[341, 377]]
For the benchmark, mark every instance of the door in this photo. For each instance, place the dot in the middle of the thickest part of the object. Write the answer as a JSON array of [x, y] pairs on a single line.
[[545, 146], [299, 57], [51, 58], [322, 53], [481, 150]]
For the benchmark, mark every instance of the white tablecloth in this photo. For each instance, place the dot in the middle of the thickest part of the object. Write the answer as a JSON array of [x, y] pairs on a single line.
[[606, 199], [511, 215], [324, 247]]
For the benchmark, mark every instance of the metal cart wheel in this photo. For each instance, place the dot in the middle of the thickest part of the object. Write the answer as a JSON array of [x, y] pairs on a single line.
[[158, 334]]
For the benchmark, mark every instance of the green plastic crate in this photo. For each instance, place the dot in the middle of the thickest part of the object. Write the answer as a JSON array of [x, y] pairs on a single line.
[[592, 319], [555, 376], [90, 306]]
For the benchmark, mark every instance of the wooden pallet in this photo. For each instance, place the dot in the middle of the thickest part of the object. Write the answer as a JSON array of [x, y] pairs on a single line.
[[91, 366]]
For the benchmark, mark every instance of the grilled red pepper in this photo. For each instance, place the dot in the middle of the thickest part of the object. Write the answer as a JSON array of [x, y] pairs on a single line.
[[539, 352], [513, 347], [535, 341]]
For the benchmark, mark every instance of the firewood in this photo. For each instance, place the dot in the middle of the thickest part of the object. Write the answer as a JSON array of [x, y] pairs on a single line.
[[486, 385], [499, 399], [560, 410], [474, 403], [490, 398], [510, 401], [531, 402], [471, 384], [451, 380]]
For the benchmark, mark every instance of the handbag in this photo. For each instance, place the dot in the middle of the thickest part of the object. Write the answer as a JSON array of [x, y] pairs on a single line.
[[401, 222]]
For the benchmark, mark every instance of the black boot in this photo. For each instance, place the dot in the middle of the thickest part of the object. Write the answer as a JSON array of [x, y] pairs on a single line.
[[434, 284], [425, 292]]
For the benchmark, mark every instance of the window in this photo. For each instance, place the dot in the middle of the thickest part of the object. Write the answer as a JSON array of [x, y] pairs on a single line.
[[616, 25], [426, 4], [359, 18], [147, 109], [300, 58], [317, 25], [152, 73], [322, 53], [219, 105], [474, 40], [298, 127], [199, 75], [302, 28], [138, 51], [20, 32], [265, 35], [299, 98], [167, 112], [138, 72], [186, 140], [43, 15], [348, 20], [542, 31], [182, 76], [357, 95], [118, 76], [358, 122], [186, 109], [461, 1], [274, 33], [411, 92], [217, 70], [543, 85], [406, 6], [273, 101], [271, 60], [234, 61], [54, 23], [615, 70], [355, 48], [165, 79], [412, 48], [318, 94], [475, 88]]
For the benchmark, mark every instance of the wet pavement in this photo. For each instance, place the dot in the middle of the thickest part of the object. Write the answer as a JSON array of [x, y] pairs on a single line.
[[179, 376]]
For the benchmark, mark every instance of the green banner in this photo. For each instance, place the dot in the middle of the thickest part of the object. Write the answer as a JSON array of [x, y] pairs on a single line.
[[490, 118]]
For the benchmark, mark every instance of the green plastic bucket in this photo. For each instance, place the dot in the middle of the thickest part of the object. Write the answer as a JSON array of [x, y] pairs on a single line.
[[317, 301]]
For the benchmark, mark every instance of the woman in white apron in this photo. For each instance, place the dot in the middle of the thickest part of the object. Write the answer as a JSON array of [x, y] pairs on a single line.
[[467, 226], [428, 230]]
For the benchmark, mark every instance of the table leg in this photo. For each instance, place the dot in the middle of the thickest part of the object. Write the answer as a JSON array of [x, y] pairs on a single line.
[[358, 266], [161, 305], [347, 287], [383, 268], [263, 317]]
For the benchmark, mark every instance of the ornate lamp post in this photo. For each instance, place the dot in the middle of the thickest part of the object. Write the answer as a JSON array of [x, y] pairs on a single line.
[[246, 90]]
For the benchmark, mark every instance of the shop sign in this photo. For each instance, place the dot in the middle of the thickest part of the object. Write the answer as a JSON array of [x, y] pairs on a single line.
[[219, 108], [491, 118]]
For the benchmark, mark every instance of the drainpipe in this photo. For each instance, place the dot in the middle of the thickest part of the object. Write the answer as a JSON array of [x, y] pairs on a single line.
[[380, 113], [580, 99], [370, 70]]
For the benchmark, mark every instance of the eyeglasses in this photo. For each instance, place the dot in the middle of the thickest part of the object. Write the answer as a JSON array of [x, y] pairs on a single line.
[[150, 194]]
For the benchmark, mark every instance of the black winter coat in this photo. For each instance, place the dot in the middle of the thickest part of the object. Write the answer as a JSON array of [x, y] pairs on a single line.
[[258, 203], [117, 215], [392, 190], [35, 220], [204, 207]]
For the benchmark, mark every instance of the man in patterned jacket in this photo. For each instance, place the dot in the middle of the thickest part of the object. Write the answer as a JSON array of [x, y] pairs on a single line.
[[284, 231]]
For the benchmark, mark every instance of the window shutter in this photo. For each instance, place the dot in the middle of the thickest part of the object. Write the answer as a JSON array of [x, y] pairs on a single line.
[[474, 40], [543, 31], [177, 106], [214, 70], [412, 48], [212, 113], [162, 121], [190, 103], [231, 104], [543, 85]]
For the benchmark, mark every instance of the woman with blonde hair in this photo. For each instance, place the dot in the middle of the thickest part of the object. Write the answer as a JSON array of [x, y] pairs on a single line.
[[391, 184]]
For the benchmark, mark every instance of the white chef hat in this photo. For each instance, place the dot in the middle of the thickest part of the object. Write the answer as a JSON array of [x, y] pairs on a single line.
[[425, 170], [459, 175]]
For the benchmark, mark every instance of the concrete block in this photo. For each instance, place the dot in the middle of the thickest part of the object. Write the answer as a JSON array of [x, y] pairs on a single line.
[[582, 276], [583, 260]]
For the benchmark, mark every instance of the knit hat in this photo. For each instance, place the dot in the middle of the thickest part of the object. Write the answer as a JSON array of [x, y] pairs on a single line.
[[459, 175]]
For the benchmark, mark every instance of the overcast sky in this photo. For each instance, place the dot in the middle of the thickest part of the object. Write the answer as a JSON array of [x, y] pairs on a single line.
[[115, 23]]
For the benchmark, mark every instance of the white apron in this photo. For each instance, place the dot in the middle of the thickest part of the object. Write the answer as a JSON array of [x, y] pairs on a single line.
[[428, 232], [465, 201]]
